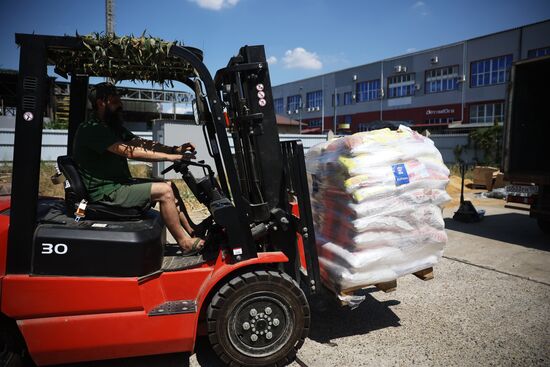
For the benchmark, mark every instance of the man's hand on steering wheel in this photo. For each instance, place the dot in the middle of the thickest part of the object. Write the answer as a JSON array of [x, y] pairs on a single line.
[[183, 152], [187, 147]]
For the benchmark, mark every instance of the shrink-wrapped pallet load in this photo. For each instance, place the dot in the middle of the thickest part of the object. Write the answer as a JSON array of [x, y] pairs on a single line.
[[377, 201]]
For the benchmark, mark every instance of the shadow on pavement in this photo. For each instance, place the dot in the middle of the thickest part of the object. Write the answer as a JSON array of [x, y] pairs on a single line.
[[330, 320], [206, 356], [513, 228]]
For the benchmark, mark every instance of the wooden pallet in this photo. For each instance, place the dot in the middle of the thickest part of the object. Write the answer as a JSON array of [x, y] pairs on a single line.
[[479, 186], [386, 287], [426, 274]]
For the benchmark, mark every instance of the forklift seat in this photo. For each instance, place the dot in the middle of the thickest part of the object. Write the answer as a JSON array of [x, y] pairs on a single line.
[[75, 192]]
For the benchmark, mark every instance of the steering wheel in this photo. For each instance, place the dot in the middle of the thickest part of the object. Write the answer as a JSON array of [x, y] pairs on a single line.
[[177, 164]]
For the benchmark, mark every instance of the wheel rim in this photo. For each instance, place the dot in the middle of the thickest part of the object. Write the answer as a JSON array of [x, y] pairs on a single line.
[[260, 325]]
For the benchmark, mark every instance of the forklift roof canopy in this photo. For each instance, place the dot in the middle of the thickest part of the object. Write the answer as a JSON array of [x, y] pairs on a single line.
[[119, 58]]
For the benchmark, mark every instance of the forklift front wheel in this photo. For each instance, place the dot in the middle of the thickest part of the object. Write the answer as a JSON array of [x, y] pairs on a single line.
[[259, 318]]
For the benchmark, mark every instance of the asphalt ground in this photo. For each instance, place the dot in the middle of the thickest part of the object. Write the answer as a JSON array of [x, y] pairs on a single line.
[[488, 305]]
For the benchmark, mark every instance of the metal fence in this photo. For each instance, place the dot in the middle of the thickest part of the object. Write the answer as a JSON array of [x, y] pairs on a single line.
[[54, 144], [447, 143]]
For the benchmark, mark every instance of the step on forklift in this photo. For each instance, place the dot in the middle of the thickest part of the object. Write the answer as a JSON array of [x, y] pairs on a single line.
[[108, 286]]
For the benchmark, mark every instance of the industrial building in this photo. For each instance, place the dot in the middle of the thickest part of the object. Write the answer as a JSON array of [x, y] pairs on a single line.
[[456, 86]]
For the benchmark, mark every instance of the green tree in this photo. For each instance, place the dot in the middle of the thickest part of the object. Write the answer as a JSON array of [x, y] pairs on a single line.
[[488, 140]]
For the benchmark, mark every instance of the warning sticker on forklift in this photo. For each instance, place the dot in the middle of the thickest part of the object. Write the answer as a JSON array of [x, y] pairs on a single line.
[[400, 174], [28, 116]]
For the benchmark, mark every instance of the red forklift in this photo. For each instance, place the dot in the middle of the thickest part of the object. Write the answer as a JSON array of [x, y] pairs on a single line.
[[109, 286]]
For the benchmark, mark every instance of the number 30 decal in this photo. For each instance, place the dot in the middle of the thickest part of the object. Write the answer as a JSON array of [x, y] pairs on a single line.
[[59, 249]]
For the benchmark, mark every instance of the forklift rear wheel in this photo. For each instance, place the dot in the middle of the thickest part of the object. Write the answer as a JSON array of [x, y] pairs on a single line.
[[12, 354], [259, 318], [544, 225]]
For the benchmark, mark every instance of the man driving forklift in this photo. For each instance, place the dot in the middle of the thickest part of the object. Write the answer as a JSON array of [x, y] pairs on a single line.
[[101, 148]]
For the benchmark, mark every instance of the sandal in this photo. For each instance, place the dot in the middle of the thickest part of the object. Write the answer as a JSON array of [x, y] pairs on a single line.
[[195, 248]]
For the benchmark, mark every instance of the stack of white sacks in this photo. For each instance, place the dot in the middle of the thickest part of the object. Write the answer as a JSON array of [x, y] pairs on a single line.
[[377, 201]]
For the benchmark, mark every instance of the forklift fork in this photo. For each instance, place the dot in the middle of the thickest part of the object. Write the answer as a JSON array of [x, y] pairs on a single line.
[[295, 177]]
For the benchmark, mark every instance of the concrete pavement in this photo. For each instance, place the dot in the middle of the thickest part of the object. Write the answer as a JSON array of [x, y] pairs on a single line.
[[489, 305]]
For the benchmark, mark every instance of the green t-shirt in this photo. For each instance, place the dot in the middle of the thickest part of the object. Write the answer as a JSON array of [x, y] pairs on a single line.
[[102, 171]]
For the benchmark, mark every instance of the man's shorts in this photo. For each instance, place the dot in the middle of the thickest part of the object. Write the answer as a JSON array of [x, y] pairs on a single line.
[[131, 196]]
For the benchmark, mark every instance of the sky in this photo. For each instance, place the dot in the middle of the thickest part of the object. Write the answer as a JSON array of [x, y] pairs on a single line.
[[303, 38]]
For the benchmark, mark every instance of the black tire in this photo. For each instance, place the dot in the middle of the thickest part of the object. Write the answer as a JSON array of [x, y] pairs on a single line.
[[544, 225], [259, 318], [12, 347]]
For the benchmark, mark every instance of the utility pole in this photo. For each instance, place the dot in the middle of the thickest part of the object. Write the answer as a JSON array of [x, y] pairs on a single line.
[[110, 17], [109, 22]]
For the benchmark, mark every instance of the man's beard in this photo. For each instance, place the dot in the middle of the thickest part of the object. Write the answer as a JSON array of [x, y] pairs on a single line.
[[114, 118]]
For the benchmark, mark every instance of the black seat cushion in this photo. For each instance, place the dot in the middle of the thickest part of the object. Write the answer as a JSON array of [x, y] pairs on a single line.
[[75, 192]]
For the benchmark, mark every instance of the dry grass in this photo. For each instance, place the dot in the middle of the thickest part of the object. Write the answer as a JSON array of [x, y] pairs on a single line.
[[141, 170], [46, 187], [455, 171]]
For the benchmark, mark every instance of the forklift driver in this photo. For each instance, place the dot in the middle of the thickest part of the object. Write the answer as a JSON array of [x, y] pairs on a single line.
[[101, 148]]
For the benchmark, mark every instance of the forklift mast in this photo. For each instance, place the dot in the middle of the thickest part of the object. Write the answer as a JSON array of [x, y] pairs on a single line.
[[271, 174]]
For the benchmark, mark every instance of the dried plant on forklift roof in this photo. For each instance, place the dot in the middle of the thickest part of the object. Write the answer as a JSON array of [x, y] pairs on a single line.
[[122, 58]]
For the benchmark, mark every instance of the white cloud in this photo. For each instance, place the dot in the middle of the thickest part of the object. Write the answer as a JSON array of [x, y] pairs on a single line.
[[300, 58], [335, 60], [272, 60], [215, 4], [420, 7], [409, 50]]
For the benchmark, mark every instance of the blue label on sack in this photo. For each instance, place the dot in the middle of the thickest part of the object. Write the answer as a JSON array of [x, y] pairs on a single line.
[[400, 173]]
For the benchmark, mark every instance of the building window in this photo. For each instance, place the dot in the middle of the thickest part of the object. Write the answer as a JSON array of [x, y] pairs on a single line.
[[362, 126], [367, 91], [490, 71], [487, 113], [538, 52], [314, 99], [440, 120], [347, 98], [279, 106], [441, 79], [336, 98], [401, 85], [294, 103], [315, 123]]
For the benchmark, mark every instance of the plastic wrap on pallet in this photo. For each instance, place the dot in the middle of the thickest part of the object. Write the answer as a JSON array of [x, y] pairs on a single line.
[[377, 199]]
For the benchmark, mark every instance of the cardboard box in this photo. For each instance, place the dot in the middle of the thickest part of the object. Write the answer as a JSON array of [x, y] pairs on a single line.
[[483, 176], [498, 180]]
